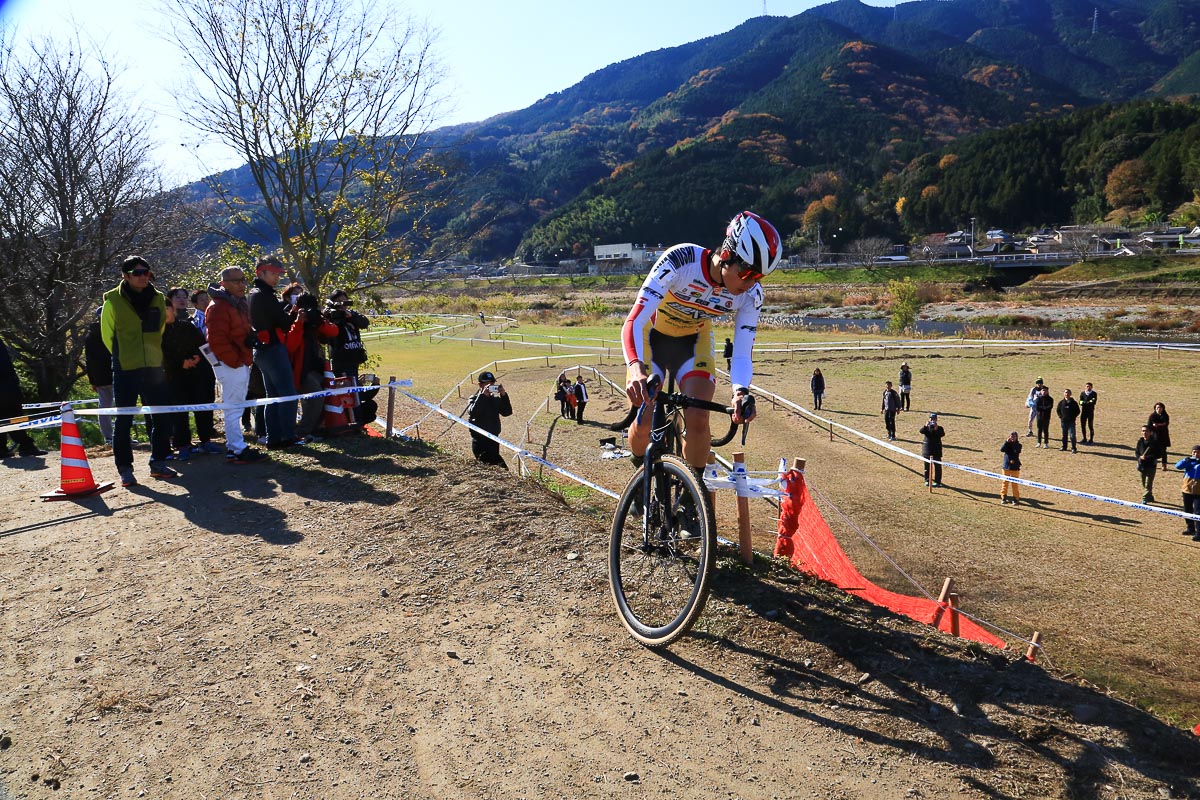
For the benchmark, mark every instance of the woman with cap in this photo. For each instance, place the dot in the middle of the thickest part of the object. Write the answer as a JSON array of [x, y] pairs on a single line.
[[905, 387], [1010, 465], [931, 449], [484, 410]]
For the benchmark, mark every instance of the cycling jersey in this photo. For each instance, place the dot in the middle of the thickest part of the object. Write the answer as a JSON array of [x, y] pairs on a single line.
[[678, 300]]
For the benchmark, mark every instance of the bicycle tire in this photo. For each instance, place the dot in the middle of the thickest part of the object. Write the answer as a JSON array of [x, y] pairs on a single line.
[[660, 580]]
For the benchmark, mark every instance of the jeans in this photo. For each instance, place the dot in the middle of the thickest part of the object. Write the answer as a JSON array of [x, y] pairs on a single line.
[[105, 393], [234, 381], [276, 369], [150, 384], [817, 398], [1068, 432]]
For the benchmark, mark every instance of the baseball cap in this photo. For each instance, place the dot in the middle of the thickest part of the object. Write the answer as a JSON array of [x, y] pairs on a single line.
[[1039, 380], [933, 415], [486, 376], [269, 265]]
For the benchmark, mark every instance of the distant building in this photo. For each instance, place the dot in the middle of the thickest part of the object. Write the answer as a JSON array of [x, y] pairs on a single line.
[[626, 257]]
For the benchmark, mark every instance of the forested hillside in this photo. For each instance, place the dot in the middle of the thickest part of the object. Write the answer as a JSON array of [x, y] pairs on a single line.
[[888, 121]]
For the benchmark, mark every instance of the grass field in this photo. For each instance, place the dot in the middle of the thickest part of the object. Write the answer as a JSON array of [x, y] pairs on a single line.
[[1113, 590]]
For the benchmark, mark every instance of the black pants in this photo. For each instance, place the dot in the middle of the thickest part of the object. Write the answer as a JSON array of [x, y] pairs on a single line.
[[889, 420], [579, 407], [1191, 505], [905, 400], [1043, 429], [10, 406], [1086, 424], [149, 384], [486, 451], [817, 401], [937, 469]]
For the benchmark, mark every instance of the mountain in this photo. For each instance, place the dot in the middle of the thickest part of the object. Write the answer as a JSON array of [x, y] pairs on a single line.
[[814, 118]]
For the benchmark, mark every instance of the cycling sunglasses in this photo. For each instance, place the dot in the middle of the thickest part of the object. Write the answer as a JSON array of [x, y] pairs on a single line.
[[140, 272], [744, 270]]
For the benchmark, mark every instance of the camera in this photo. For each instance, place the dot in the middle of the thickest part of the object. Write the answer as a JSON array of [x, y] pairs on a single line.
[[494, 390]]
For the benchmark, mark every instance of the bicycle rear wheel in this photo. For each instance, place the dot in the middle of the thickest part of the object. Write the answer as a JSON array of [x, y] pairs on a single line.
[[660, 574]]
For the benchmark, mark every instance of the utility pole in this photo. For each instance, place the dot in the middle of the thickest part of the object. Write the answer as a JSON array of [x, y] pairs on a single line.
[[818, 244], [972, 238]]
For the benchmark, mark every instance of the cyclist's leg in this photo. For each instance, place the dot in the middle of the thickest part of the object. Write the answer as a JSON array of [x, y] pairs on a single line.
[[639, 430], [700, 385]]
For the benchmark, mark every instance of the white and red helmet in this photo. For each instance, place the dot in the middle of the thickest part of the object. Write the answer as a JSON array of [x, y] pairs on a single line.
[[755, 241]]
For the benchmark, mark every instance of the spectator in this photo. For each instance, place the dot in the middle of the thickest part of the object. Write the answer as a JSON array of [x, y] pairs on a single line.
[[271, 321], [562, 389], [1160, 423], [188, 384], [581, 398], [346, 352], [1191, 490], [727, 354], [905, 387], [200, 301], [1087, 414], [99, 372], [485, 408], [254, 418], [1147, 453], [308, 360], [1010, 465], [231, 341], [817, 384], [931, 449], [10, 406], [289, 295], [1191, 467], [131, 323], [1067, 411], [889, 406], [1043, 407], [1031, 403]]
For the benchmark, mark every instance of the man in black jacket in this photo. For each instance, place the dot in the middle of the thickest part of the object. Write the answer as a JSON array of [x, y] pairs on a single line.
[[346, 352], [1147, 451], [581, 398], [1042, 407], [889, 406], [10, 406], [931, 448], [1087, 414], [485, 408], [1067, 411], [271, 322]]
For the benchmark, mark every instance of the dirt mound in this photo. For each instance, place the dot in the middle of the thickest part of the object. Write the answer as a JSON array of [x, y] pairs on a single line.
[[367, 618]]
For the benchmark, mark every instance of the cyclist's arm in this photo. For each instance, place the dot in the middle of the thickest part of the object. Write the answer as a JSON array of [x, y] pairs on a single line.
[[745, 330]]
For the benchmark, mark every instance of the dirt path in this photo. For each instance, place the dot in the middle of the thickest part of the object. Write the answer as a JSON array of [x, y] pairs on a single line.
[[290, 629]]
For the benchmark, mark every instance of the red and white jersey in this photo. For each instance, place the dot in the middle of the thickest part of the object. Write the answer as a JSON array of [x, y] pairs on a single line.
[[677, 299]]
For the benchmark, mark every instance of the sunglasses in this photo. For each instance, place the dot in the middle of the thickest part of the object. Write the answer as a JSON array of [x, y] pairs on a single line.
[[744, 270], [140, 272]]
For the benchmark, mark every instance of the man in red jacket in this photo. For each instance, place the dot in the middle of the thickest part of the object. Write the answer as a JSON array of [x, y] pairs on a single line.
[[227, 319]]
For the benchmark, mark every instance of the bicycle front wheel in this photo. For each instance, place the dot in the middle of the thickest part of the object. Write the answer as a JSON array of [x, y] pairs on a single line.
[[660, 565]]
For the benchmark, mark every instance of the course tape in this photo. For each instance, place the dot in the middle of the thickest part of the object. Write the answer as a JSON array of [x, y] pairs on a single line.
[[520, 452], [56, 419], [982, 472]]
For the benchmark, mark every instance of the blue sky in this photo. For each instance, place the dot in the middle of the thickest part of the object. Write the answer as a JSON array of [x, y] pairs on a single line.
[[498, 55]]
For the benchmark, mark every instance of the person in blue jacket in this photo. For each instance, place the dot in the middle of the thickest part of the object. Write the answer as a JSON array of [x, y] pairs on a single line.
[[1191, 490]]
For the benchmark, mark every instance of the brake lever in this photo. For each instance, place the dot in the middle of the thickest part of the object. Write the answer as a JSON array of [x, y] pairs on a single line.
[[747, 411], [652, 386]]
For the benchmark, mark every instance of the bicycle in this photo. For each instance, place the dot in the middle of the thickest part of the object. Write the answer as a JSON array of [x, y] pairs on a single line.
[[662, 546]]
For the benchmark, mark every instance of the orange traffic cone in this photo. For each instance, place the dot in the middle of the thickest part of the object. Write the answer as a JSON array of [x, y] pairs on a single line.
[[336, 419], [77, 481]]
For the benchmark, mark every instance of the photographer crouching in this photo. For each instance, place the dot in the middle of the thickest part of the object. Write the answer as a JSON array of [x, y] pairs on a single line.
[[346, 351], [485, 408]]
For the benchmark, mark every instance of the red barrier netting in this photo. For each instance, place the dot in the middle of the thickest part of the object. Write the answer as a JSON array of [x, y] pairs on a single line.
[[809, 545]]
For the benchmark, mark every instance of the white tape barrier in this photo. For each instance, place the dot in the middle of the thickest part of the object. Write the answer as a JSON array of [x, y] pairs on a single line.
[[740, 481], [985, 473], [56, 419], [73, 403], [521, 453]]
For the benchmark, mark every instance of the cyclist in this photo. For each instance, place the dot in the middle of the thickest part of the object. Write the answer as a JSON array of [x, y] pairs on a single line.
[[669, 328]]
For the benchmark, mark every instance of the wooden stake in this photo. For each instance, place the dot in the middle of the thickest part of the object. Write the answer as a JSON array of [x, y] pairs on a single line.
[[745, 545], [391, 405], [952, 600], [799, 464], [947, 588], [712, 493], [1035, 642]]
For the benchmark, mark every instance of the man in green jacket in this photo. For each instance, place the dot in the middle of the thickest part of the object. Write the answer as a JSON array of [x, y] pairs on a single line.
[[131, 324]]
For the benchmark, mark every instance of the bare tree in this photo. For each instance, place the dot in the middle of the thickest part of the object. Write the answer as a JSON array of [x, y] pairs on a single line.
[[1079, 241], [328, 102], [76, 193], [866, 251]]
